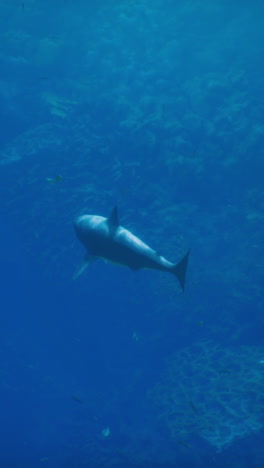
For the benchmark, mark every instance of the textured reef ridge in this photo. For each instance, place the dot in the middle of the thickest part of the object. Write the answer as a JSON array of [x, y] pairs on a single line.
[[213, 392]]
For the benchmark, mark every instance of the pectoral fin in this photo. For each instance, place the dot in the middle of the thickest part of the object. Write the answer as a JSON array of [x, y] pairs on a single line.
[[87, 260]]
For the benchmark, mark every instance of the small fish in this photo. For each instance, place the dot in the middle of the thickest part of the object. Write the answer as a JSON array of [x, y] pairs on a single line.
[[54, 180], [106, 432], [225, 371], [184, 443], [76, 398], [195, 410], [135, 336], [76, 339]]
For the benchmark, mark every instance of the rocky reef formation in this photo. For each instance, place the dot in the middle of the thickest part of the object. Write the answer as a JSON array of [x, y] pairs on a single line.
[[214, 392]]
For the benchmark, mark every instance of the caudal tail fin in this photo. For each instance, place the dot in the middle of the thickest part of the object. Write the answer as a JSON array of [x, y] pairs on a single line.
[[180, 268]]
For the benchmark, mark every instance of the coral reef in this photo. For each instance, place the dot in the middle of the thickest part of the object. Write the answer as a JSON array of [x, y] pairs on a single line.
[[214, 392]]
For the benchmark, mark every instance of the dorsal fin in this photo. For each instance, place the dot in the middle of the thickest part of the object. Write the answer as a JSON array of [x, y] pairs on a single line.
[[112, 220]]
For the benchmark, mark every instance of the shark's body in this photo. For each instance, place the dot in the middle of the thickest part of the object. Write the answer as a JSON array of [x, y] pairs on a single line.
[[105, 238]]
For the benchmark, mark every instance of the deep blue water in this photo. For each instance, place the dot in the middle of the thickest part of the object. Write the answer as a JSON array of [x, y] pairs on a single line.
[[156, 107]]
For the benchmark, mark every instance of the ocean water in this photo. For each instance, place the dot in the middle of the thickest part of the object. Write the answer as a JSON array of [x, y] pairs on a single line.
[[156, 107]]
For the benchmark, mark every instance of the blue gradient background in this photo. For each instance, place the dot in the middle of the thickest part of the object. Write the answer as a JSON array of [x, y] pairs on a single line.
[[156, 106]]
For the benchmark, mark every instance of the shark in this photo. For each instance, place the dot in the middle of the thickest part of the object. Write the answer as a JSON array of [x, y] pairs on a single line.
[[105, 238]]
